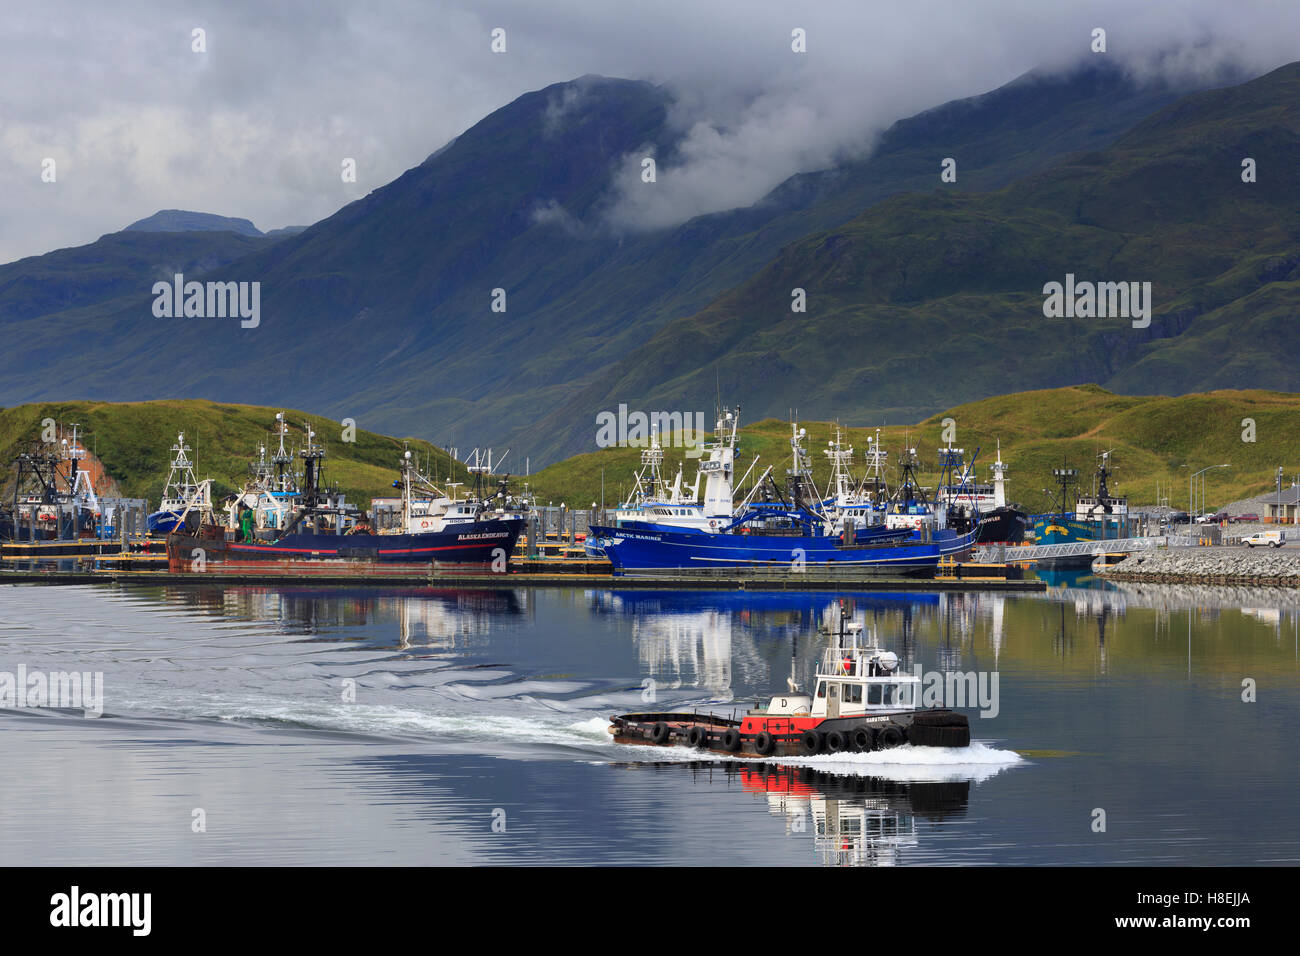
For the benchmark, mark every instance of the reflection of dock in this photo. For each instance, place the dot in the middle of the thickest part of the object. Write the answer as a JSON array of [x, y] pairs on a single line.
[[380, 575]]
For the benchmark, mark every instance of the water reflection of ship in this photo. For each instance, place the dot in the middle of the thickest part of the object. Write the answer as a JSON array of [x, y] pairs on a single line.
[[431, 616], [445, 620], [854, 820], [678, 633], [1102, 605], [672, 645], [641, 601]]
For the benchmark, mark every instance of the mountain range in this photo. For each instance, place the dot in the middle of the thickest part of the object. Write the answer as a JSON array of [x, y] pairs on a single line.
[[921, 294]]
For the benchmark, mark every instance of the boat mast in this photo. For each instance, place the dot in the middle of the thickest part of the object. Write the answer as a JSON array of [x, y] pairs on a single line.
[[282, 459], [180, 480], [79, 486], [876, 458], [999, 480], [840, 457], [1065, 477], [802, 490], [312, 456], [719, 466], [649, 484], [407, 466]]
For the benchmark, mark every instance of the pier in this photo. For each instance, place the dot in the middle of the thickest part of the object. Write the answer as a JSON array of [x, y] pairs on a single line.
[[564, 573], [1041, 552]]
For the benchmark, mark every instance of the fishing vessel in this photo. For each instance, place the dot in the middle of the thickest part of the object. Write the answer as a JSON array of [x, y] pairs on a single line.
[[848, 500], [181, 494], [781, 540], [1091, 517], [326, 533], [654, 501], [909, 507], [983, 503], [1107, 513], [861, 701], [271, 493], [788, 529], [54, 496]]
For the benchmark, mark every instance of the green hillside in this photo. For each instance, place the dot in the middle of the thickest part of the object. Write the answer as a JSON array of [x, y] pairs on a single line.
[[133, 441], [926, 300], [402, 278], [1154, 439]]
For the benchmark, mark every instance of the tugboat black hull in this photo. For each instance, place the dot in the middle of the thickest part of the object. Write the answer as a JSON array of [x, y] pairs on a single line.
[[796, 736]]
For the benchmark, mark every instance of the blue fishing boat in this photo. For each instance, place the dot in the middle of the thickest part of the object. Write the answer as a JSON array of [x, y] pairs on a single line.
[[1095, 517], [799, 546], [183, 495], [792, 529]]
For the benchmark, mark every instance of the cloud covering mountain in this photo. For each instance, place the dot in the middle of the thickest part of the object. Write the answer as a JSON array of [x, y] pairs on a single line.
[[257, 126]]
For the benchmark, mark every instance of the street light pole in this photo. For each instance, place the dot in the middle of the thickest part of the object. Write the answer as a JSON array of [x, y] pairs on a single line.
[[1192, 480], [1277, 510]]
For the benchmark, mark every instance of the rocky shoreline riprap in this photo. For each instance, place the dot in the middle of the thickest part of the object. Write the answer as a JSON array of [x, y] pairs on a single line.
[[1278, 567]]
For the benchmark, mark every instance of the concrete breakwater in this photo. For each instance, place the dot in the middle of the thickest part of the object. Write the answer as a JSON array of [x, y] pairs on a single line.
[[1279, 567]]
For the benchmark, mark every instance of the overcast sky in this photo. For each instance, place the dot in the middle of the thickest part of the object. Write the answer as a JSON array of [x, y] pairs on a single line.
[[258, 125]]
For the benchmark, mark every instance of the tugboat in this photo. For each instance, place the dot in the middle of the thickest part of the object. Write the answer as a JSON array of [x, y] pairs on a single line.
[[862, 702]]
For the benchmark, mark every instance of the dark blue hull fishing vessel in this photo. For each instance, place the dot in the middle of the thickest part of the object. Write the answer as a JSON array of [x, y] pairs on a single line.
[[636, 549], [480, 542], [792, 529], [318, 532]]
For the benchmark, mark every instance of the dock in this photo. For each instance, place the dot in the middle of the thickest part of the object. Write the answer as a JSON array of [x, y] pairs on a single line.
[[134, 568]]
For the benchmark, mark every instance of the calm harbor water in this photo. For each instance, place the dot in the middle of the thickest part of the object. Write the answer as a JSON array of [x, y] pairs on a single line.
[[477, 729]]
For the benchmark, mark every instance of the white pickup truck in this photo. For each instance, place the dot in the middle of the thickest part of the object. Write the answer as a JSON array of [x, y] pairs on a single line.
[[1271, 538]]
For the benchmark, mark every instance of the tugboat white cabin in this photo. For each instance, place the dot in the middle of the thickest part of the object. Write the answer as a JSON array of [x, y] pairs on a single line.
[[852, 680]]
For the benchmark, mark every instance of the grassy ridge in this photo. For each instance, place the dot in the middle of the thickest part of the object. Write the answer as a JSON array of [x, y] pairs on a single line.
[[134, 440], [1155, 439]]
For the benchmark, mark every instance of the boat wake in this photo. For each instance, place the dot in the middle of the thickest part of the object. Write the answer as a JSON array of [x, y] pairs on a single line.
[[908, 764]]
